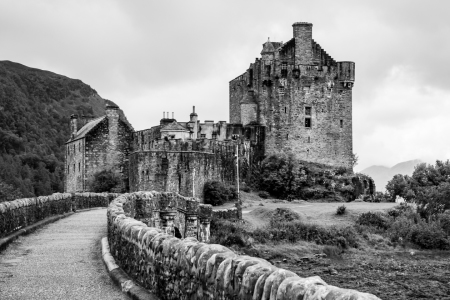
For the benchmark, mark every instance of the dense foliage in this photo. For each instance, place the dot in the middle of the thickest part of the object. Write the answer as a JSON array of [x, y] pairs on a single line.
[[284, 226], [35, 109], [217, 193], [283, 176], [105, 181], [403, 224], [428, 187]]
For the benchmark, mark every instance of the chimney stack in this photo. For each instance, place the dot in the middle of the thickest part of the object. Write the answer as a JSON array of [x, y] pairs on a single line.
[[74, 125]]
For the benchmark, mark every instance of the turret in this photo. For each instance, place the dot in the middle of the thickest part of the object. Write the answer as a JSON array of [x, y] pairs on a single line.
[[346, 73], [194, 121], [73, 125]]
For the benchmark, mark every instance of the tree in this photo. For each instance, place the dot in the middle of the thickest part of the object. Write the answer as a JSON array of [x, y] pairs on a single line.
[[105, 181], [399, 185]]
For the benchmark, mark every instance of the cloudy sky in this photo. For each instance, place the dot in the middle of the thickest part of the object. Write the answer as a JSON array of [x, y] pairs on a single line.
[[154, 56]]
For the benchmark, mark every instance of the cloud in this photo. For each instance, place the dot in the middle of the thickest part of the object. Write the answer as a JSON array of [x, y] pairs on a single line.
[[155, 56]]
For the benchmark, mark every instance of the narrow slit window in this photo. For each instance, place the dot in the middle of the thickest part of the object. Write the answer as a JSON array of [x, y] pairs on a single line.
[[287, 136], [79, 167], [308, 122], [284, 70], [74, 170], [342, 123], [285, 109], [309, 139]]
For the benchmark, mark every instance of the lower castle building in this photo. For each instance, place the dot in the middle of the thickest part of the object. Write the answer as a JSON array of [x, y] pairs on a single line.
[[294, 99]]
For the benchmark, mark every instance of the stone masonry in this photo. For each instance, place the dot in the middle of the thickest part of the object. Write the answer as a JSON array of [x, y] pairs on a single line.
[[302, 96]]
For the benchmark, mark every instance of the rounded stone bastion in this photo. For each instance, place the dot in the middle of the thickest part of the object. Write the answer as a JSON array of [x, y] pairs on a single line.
[[142, 239]]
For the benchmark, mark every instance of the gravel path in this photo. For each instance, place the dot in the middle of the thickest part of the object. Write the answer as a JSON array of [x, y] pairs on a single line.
[[61, 260]]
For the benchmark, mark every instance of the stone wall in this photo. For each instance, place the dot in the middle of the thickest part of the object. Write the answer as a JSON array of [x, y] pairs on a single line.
[[293, 84], [108, 149], [187, 268], [181, 166], [20, 213], [225, 213]]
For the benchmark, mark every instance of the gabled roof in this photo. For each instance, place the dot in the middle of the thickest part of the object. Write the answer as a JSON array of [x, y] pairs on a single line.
[[174, 126], [87, 128]]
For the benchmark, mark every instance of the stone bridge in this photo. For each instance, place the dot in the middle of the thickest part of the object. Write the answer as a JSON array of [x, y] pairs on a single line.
[[156, 248]]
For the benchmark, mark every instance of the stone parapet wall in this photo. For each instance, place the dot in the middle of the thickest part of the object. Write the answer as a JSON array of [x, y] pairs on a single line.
[[225, 213], [20, 213], [187, 268]]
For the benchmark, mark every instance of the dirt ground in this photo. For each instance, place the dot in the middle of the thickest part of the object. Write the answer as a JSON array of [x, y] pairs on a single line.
[[385, 271], [386, 274]]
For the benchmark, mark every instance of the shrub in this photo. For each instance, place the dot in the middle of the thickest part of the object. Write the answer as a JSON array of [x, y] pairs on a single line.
[[372, 219], [105, 181], [217, 193], [284, 215], [444, 222], [246, 189], [429, 236], [228, 233], [263, 194], [341, 210]]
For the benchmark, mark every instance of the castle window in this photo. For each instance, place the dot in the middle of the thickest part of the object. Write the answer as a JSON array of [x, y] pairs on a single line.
[[79, 146], [308, 122], [308, 111], [287, 136], [342, 123], [203, 136], [164, 164], [309, 139], [285, 109], [74, 170], [267, 71], [79, 167], [284, 70]]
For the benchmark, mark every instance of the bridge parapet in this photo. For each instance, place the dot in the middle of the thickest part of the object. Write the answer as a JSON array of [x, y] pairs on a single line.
[[190, 268], [20, 213]]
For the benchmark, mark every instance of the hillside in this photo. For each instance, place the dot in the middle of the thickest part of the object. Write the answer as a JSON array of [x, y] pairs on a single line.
[[35, 109], [381, 174]]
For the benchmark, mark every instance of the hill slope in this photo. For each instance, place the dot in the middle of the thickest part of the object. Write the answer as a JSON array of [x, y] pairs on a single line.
[[35, 109], [381, 175]]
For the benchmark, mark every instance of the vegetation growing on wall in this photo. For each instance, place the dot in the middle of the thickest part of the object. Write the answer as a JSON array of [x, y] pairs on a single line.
[[285, 177], [217, 193]]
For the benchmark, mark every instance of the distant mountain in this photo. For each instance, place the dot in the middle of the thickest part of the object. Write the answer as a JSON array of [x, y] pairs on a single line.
[[35, 109], [381, 174]]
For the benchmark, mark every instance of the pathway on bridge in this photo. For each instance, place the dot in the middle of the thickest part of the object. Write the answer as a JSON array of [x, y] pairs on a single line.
[[61, 260]]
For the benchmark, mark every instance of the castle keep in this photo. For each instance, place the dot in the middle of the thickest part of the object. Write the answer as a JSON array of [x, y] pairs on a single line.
[[294, 99], [302, 96]]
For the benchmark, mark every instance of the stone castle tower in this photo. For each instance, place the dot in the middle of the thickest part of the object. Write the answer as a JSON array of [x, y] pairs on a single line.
[[302, 96]]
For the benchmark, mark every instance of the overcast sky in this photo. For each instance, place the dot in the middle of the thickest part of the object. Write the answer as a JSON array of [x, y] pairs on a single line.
[[154, 56]]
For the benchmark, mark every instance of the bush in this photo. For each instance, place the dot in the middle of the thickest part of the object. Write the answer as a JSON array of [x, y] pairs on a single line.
[[444, 222], [263, 194], [429, 236], [372, 219], [217, 193], [228, 233], [105, 181], [341, 210], [246, 189]]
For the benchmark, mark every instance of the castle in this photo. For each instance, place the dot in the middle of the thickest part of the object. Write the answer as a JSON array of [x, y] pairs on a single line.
[[294, 99]]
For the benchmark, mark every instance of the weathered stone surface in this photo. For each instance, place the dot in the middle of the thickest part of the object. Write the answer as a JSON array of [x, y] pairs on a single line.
[[294, 83]]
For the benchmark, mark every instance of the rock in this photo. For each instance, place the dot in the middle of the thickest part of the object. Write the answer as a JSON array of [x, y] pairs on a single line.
[[261, 204], [332, 271], [284, 260]]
